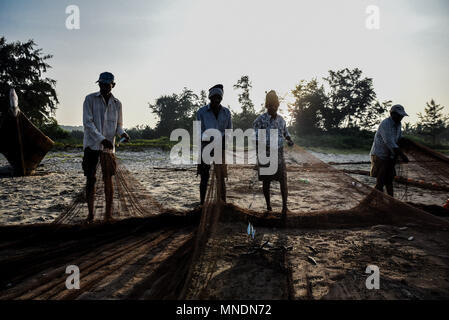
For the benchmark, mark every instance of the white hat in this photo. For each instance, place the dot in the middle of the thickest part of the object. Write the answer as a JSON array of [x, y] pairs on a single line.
[[216, 90]]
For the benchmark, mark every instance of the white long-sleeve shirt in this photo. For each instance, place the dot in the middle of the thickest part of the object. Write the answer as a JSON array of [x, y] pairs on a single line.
[[101, 121], [386, 139]]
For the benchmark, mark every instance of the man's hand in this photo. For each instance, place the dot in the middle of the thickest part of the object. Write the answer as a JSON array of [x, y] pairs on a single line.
[[289, 141], [126, 136], [107, 144]]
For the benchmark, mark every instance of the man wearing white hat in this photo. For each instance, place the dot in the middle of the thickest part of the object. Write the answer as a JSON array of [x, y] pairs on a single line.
[[385, 149], [213, 116]]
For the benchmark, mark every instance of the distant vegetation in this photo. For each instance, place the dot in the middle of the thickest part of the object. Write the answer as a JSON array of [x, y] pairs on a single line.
[[22, 67], [338, 112], [348, 103], [342, 119], [163, 143]]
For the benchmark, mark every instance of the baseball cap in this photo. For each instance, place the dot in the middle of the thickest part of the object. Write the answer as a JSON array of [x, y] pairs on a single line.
[[399, 110], [106, 77]]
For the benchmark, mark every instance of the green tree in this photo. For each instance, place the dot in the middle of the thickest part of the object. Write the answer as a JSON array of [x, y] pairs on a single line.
[[351, 101], [51, 129], [175, 111], [203, 98], [432, 122], [22, 66], [369, 117], [348, 104], [408, 128], [141, 132], [310, 101], [244, 119]]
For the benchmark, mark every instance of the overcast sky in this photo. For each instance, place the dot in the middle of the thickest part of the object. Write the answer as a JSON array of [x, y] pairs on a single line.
[[159, 47]]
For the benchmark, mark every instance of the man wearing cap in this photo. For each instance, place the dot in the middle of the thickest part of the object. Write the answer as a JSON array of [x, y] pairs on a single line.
[[102, 120], [213, 116], [266, 122], [385, 149]]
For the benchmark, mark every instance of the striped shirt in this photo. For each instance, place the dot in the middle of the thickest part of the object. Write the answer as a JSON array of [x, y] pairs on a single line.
[[386, 139], [101, 121]]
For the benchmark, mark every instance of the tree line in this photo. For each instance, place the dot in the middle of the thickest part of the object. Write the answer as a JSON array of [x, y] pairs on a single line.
[[342, 102], [348, 106]]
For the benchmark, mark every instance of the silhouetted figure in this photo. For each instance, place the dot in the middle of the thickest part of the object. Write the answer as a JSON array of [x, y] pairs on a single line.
[[213, 116], [272, 120], [385, 150], [102, 120]]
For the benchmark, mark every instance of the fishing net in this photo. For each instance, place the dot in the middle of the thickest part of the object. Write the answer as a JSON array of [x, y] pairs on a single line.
[[427, 168], [209, 252], [329, 199], [130, 198], [427, 172]]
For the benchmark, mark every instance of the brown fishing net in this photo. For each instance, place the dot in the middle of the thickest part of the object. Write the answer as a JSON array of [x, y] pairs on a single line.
[[208, 253], [130, 198], [427, 168], [324, 198], [210, 216]]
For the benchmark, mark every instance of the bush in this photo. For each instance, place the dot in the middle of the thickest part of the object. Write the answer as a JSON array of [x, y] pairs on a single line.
[[54, 131], [142, 132], [77, 135], [343, 141]]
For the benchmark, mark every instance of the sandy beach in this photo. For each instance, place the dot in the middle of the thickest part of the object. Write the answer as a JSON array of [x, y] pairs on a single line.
[[42, 197]]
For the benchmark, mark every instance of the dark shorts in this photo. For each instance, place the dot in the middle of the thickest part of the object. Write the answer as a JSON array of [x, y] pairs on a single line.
[[281, 172], [91, 159], [383, 170], [204, 168], [90, 162]]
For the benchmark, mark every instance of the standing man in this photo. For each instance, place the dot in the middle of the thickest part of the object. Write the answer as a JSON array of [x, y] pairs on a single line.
[[267, 121], [385, 149], [213, 116], [102, 120]]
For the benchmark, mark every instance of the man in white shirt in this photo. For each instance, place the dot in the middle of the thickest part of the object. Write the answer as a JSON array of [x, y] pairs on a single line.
[[102, 120], [385, 149], [213, 116]]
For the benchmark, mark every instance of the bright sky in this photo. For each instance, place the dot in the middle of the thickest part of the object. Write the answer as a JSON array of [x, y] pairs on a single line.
[[159, 47]]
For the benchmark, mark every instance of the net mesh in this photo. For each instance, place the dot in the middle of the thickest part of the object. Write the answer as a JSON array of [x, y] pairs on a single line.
[[324, 198], [360, 205], [131, 198]]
